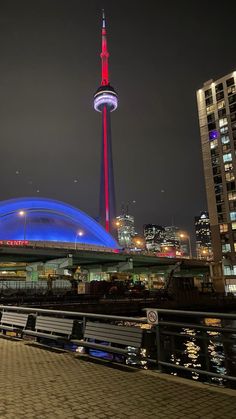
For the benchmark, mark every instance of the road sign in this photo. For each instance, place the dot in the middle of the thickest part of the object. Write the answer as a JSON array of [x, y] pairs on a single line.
[[152, 316]]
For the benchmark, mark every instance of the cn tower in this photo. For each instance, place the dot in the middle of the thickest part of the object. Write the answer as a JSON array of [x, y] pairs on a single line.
[[105, 102]]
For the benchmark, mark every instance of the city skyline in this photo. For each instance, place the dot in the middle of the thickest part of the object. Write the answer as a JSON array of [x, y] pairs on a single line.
[[50, 137]]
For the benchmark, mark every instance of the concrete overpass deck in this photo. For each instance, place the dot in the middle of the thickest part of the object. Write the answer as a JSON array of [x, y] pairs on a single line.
[[94, 259]]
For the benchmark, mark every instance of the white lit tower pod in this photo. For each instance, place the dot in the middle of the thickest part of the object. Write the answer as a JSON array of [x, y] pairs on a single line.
[[105, 101]]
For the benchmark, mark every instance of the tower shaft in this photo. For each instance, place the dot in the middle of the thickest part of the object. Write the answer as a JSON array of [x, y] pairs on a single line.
[[105, 101], [107, 188]]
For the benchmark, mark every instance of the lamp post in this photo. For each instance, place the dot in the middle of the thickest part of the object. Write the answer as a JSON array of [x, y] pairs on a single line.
[[80, 234], [187, 236], [24, 214]]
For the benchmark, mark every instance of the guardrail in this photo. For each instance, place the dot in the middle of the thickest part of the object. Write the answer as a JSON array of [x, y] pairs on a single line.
[[203, 329], [206, 329], [73, 314]]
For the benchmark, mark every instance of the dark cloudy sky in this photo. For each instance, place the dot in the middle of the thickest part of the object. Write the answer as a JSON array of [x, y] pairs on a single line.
[[161, 52]]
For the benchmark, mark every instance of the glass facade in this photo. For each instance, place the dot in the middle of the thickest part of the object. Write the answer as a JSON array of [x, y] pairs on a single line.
[[203, 236], [125, 230]]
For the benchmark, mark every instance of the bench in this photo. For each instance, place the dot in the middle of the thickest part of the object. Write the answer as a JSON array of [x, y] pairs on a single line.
[[105, 336], [14, 322], [54, 328]]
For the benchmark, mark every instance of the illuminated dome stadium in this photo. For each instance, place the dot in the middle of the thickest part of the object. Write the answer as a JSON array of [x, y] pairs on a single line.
[[41, 219]]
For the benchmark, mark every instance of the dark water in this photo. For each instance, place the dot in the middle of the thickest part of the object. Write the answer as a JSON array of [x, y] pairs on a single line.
[[201, 350], [193, 348]]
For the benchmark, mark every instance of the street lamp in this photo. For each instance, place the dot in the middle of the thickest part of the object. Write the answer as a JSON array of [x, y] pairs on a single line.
[[138, 243], [23, 214], [78, 234], [187, 236]]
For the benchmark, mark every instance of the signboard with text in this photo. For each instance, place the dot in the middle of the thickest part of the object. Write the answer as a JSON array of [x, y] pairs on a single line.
[[14, 242]]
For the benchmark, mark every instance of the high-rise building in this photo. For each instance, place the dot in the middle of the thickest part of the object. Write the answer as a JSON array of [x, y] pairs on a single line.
[[171, 243], [154, 236], [217, 119], [172, 235], [105, 101], [125, 230], [178, 240], [203, 236]]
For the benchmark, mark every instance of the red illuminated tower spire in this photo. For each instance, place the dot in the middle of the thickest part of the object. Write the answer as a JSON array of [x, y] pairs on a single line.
[[104, 54], [105, 101]]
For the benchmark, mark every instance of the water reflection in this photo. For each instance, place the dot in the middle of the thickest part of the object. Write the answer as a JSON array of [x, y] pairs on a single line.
[[193, 348], [202, 349], [190, 348]]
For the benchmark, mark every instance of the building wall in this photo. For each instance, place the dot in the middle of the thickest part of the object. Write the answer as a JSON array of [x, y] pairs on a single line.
[[217, 121]]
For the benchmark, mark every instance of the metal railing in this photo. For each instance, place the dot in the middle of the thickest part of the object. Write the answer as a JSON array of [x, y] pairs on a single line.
[[73, 314], [206, 328], [201, 327]]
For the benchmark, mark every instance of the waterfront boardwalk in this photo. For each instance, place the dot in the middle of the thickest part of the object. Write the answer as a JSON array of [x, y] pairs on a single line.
[[40, 383]]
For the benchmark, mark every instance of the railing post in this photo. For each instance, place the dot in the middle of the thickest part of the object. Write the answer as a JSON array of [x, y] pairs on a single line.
[[84, 323], [159, 348], [205, 341]]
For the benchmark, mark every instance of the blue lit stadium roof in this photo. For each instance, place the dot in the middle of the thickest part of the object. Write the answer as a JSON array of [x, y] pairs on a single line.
[[44, 219]]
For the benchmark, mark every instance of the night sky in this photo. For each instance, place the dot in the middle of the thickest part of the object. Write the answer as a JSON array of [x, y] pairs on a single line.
[[161, 52]]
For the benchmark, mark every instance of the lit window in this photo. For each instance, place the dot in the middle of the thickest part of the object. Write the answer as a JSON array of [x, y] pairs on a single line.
[[231, 196], [235, 247], [228, 167], [225, 139], [222, 122], [233, 216], [213, 144], [231, 90], [223, 130], [210, 109], [226, 247], [227, 157], [227, 270], [221, 104], [229, 176], [230, 270], [223, 228], [234, 225]]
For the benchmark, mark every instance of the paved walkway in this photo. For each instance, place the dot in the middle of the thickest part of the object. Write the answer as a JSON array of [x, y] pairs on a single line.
[[41, 384]]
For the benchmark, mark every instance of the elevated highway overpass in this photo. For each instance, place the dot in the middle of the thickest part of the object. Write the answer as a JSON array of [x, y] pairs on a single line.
[[100, 260]]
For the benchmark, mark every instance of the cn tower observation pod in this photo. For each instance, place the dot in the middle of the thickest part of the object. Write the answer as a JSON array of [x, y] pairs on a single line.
[[47, 220], [105, 95]]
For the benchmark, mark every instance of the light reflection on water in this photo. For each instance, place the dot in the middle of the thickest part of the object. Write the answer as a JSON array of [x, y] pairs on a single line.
[[199, 349], [193, 351]]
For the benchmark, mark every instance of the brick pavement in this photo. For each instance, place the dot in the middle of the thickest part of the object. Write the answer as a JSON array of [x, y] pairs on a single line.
[[41, 384]]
